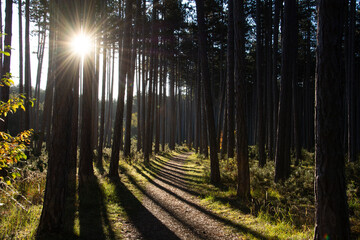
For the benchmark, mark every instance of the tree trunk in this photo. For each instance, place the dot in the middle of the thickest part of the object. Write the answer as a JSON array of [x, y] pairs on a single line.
[[27, 66], [124, 65], [86, 171], [260, 88], [269, 79], [332, 219], [21, 64], [295, 97], [282, 156], [49, 92], [74, 103], [53, 212], [102, 115], [130, 90], [152, 80], [40, 58], [350, 77], [275, 71], [5, 90], [172, 106], [230, 82], [243, 181], [214, 161], [164, 108], [95, 87], [138, 94]]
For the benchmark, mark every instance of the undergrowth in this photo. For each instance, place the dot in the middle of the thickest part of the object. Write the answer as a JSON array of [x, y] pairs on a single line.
[[21, 202], [286, 208], [97, 212], [280, 211]]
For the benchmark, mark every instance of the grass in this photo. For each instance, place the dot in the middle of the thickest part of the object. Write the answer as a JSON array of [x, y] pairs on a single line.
[[98, 211], [277, 211], [271, 213]]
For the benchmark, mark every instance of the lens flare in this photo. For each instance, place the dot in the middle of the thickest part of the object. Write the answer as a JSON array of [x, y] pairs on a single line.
[[81, 44]]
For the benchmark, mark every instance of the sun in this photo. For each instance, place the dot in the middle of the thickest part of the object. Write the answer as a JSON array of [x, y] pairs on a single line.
[[81, 44]]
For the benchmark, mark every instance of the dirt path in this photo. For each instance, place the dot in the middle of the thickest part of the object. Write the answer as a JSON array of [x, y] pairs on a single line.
[[171, 211]]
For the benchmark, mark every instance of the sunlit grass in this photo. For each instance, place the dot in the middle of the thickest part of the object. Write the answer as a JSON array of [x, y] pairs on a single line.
[[222, 201]]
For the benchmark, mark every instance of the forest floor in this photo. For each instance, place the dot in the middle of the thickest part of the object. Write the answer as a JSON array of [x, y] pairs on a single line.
[[170, 204], [170, 198], [171, 211]]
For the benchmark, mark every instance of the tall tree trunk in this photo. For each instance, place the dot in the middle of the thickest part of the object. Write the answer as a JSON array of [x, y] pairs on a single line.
[[282, 156], [164, 108], [86, 171], [53, 211], [172, 106], [40, 57], [124, 65], [243, 182], [275, 71], [130, 90], [230, 82], [149, 113], [269, 79], [74, 103], [295, 97], [260, 87], [95, 88], [102, 116], [21, 62], [332, 219], [49, 91], [27, 66], [138, 94], [350, 77], [144, 76], [214, 161], [5, 90]]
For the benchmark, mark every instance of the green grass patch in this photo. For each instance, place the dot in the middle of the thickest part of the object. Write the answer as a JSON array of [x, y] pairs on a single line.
[[273, 213], [97, 212]]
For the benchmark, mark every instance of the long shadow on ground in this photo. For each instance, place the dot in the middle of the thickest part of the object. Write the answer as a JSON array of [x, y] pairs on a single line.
[[235, 225], [145, 222], [94, 221], [156, 171]]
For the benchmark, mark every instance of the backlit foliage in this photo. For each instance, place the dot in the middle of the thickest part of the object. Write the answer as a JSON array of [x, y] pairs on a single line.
[[12, 148]]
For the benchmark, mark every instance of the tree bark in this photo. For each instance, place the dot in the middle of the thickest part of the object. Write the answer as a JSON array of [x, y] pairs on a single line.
[[5, 90], [86, 171], [275, 71], [130, 90], [260, 87], [27, 66], [230, 82], [21, 63], [53, 212], [123, 65], [282, 156], [350, 75], [243, 179], [102, 113], [214, 161], [332, 220]]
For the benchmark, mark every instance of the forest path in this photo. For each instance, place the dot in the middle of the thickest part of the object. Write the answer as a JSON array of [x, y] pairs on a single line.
[[171, 210]]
